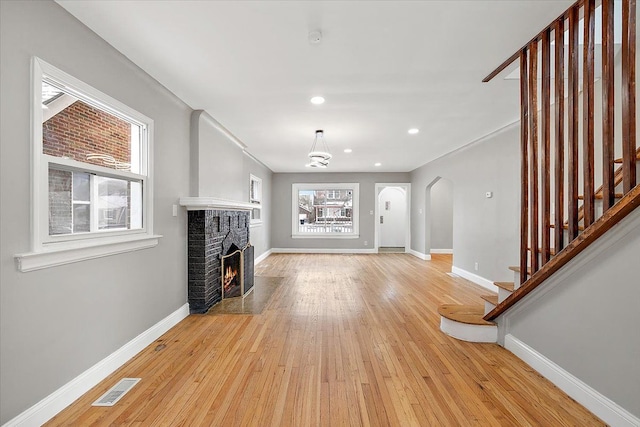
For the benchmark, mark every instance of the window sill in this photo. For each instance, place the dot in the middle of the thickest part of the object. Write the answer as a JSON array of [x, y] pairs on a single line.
[[325, 236], [52, 257]]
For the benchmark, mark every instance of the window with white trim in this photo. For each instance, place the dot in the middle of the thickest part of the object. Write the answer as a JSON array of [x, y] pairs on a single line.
[[255, 198], [325, 210], [91, 168]]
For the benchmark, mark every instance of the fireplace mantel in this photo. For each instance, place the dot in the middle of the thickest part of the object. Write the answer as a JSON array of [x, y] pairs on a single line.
[[206, 203]]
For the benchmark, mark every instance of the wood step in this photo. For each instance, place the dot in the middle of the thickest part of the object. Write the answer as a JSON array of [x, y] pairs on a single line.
[[516, 268], [469, 314], [493, 299], [600, 196], [619, 160], [566, 227], [552, 251], [507, 286]]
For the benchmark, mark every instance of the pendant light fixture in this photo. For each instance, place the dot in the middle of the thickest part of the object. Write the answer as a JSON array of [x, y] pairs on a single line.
[[319, 155]]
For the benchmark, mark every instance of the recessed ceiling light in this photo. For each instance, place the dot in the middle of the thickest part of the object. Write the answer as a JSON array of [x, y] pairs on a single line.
[[317, 100], [348, 150], [413, 131], [378, 164]]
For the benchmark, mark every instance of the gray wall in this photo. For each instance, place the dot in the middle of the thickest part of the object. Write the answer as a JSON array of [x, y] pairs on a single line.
[[214, 161], [220, 168], [586, 317], [57, 322], [484, 230], [441, 220], [260, 233], [281, 208]]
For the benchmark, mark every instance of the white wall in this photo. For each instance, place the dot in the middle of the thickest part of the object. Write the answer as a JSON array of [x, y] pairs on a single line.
[[484, 230], [57, 322]]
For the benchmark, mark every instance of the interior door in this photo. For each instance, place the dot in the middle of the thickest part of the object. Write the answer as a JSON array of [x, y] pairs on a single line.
[[392, 210]]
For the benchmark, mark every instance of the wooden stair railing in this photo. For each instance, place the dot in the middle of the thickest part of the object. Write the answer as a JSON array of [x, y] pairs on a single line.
[[577, 135], [610, 218], [618, 177]]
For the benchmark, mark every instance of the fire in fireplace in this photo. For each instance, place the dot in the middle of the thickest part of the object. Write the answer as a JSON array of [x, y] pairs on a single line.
[[232, 274]]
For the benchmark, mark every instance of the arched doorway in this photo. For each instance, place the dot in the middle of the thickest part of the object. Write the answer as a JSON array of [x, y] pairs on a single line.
[[392, 217], [439, 217]]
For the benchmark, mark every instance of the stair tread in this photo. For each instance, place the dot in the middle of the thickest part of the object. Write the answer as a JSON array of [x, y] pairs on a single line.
[[552, 251], [566, 227], [493, 299], [600, 196], [507, 286], [619, 159], [469, 314], [516, 268]]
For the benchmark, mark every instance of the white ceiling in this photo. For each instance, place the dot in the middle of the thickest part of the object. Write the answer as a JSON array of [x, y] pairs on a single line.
[[383, 67]]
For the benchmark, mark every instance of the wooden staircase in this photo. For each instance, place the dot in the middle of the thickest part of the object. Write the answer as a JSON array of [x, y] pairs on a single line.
[[584, 218]]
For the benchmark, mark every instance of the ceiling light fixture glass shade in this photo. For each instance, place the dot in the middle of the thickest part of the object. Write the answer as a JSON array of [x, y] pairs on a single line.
[[319, 155]]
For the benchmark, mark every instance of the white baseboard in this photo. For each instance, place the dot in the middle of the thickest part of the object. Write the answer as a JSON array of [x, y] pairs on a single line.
[[603, 407], [321, 251], [478, 280], [442, 251], [51, 405], [262, 257], [419, 255]]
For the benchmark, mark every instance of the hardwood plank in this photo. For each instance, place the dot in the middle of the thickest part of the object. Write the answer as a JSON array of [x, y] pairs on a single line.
[[608, 105], [588, 112], [524, 160], [573, 117], [628, 94], [545, 124], [346, 340], [534, 233], [559, 132]]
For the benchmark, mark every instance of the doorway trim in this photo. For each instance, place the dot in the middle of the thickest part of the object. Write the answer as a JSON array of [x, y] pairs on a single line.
[[376, 214]]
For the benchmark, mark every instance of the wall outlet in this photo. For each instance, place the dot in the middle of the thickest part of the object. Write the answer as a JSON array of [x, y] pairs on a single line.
[[370, 212], [475, 267], [175, 210], [366, 243]]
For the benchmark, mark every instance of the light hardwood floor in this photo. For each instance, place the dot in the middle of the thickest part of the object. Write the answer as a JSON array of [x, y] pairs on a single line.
[[346, 340]]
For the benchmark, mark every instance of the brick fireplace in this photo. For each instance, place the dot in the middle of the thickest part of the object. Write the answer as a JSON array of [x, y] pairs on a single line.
[[212, 235]]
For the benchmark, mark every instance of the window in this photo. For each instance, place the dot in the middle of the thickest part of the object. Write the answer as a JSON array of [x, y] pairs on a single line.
[[325, 210], [91, 172], [255, 197]]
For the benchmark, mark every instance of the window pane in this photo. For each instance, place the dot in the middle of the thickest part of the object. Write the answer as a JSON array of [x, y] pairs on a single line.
[[81, 218], [60, 214], [74, 129], [112, 203], [325, 211], [81, 187], [135, 208]]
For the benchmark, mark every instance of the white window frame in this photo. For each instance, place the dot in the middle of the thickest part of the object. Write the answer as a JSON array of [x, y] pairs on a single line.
[[51, 250], [255, 201], [295, 221]]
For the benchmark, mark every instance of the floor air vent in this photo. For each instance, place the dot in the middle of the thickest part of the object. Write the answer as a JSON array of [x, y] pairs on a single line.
[[116, 392]]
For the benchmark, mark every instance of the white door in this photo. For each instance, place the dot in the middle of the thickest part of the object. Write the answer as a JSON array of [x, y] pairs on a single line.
[[392, 211]]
